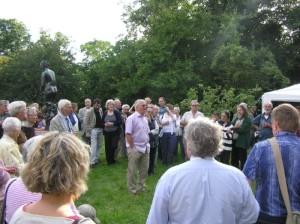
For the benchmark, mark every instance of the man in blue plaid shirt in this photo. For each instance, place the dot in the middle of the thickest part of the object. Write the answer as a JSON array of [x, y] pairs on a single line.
[[260, 166]]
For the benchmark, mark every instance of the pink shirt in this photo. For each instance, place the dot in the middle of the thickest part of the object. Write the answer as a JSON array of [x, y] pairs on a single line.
[[17, 196], [137, 126], [4, 177]]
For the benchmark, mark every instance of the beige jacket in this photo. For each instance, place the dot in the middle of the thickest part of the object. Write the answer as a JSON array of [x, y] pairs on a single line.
[[90, 121], [10, 154]]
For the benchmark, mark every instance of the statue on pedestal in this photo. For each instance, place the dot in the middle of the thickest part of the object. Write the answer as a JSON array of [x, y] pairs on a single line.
[[49, 90]]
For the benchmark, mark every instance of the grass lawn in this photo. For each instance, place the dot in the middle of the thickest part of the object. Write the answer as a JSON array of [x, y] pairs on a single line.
[[108, 193]]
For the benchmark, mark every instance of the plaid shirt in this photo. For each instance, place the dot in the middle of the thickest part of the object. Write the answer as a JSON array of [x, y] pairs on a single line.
[[260, 166]]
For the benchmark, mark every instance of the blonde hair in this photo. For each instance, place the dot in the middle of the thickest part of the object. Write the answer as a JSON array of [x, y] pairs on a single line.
[[58, 163]]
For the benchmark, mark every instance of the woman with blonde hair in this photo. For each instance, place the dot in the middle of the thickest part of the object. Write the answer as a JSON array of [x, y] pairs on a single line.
[[57, 168]]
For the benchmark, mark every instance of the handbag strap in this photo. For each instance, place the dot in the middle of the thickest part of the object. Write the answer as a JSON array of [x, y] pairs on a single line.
[[280, 174], [4, 202]]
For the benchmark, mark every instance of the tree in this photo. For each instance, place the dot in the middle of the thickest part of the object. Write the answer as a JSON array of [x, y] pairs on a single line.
[[20, 76], [241, 68], [14, 36]]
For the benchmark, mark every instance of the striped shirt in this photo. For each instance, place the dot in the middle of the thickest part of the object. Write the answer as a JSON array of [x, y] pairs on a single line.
[[18, 195], [227, 136]]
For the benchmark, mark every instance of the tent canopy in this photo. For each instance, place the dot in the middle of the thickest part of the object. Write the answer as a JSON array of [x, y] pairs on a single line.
[[288, 94]]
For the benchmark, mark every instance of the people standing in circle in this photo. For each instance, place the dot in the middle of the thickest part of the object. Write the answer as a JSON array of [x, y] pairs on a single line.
[[112, 121]]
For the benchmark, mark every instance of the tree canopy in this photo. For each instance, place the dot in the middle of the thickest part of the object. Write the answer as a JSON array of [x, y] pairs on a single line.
[[229, 48]]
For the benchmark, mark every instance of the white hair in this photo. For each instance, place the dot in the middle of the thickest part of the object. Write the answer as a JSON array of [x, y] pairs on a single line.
[[11, 124], [268, 102], [138, 102], [177, 109], [15, 107], [125, 105], [62, 103]]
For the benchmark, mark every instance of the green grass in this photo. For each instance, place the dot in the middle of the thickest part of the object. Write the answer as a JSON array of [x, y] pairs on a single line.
[[109, 195]]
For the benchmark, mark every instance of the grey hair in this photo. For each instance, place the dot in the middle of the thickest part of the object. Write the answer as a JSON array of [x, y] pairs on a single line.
[[15, 107], [108, 102], [155, 106], [269, 102], [138, 102], [194, 102], [11, 124], [29, 145], [62, 103], [203, 137], [125, 105], [3, 102], [117, 101], [31, 111], [177, 109]]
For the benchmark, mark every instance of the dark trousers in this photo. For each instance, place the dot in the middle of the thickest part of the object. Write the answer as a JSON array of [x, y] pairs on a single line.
[[266, 219], [168, 147], [111, 144], [224, 156], [159, 148], [151, 160], [238, 155], [179, 141]]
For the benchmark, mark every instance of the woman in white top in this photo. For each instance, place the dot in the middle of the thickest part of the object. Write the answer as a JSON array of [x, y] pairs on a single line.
[[168, 134]]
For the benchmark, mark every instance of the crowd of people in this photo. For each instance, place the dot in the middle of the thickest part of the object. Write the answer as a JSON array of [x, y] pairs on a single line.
[[214, 151]]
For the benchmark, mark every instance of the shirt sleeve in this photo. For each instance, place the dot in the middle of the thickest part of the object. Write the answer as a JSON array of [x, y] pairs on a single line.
[[128, 125], [251, 165], [159, 208], [4, 175], [250, 208], [256, 120]]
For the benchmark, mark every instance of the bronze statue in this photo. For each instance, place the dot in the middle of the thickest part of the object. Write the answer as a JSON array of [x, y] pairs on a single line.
[[49, 89], [48, 84]]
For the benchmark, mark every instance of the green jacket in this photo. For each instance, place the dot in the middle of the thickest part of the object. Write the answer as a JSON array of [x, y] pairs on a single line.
[[243, 140]]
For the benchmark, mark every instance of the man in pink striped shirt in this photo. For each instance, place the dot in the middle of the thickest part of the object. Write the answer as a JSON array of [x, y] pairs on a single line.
[[138, 147]]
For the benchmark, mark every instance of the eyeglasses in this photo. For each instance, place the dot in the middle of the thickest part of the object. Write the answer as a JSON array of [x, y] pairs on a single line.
[[194, 105]]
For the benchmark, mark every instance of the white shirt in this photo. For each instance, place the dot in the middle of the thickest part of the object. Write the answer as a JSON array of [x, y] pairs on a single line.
[[203, 191], [171, 126], [187, 116], [21, 217]]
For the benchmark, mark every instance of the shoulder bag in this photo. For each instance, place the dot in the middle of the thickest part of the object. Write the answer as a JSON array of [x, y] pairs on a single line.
[[292, 217]]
